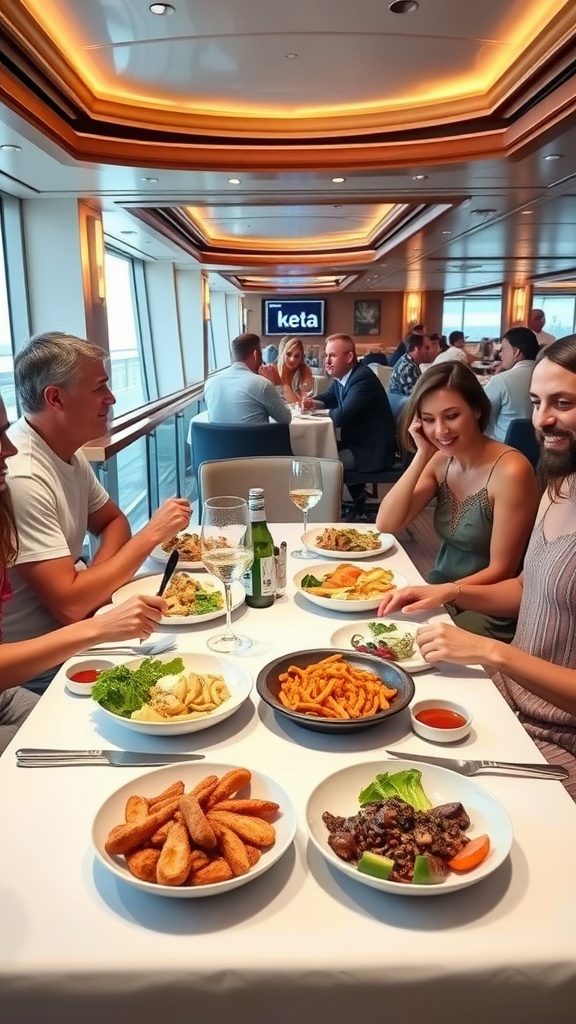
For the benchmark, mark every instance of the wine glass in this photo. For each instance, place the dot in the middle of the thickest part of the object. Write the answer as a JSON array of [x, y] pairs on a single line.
[[227, 551], [305, 388], [305, 491]]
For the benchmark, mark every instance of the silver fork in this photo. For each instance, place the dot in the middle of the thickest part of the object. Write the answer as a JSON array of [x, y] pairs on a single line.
[[147, 648]]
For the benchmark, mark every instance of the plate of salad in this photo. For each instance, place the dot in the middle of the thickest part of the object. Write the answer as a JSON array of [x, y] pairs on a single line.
[[407, 828], [391, 641], [172, 695]]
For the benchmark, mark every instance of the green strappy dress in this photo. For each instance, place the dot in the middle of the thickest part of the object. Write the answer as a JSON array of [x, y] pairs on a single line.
[[465, 528]]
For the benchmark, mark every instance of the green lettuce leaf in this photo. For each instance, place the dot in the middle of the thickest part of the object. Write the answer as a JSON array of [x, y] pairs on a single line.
[[123, 690], [406, 784]]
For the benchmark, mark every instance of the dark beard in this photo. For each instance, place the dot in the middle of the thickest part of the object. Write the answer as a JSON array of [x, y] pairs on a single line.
[[557, 465]]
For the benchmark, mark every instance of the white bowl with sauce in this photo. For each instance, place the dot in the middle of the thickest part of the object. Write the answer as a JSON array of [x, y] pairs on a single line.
[[90, 669], [440, 720]]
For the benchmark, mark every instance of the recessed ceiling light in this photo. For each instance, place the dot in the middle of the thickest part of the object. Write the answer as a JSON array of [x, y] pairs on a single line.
[[554, 156], [162, 10], [233, 181], [420, 177], [152, 180], [526, 212], [10, 148], [338, 181], [446, 232], [290, 56], [404, 6]]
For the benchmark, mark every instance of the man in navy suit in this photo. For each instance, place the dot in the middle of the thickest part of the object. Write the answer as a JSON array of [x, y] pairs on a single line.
[[359, 406]]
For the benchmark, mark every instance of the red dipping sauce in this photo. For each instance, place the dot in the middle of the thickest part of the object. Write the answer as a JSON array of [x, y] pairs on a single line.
[[440, 718], [89, 675]]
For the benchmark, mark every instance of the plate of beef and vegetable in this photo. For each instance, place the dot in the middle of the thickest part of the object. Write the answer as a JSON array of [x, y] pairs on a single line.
[[407, 828]]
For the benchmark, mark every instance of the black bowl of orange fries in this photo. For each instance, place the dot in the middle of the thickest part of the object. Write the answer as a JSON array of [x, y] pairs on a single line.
[[327, 690]]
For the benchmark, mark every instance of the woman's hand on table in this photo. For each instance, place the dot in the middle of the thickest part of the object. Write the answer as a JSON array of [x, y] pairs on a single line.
[[137, 617], [440, 641], [416, 599]]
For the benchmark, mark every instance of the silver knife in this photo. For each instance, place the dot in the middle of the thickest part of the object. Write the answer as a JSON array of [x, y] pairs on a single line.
[[532, 771], [39, 757]]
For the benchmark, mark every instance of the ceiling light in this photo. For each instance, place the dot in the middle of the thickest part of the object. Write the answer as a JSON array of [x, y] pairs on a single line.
[[10, 148], [403, 6], [162, 10], [290, 56], [233, 181], [446, 232], [526, 212], [338, 181], [554, 156], [152, 180], [420, 177]]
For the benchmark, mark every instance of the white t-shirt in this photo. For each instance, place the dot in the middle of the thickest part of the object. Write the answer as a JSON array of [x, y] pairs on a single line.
[[451, 353], [52, 500]]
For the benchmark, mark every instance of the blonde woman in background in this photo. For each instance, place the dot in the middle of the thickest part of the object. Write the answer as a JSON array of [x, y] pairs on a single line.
[[291, 371]]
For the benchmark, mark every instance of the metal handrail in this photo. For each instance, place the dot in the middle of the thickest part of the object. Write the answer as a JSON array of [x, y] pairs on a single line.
[[140, 422]]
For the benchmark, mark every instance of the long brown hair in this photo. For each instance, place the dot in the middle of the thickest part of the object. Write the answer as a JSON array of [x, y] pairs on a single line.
[[563, 353], [456, 376], [8, 535]]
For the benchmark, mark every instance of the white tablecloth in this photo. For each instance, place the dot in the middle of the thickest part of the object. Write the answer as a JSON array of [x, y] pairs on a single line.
[[311, 436], [301, 943]]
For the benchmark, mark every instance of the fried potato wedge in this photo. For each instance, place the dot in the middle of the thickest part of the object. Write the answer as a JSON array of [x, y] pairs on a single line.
[[174, 862]]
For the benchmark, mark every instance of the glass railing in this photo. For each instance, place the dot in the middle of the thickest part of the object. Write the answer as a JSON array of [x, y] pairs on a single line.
[[146, 459]]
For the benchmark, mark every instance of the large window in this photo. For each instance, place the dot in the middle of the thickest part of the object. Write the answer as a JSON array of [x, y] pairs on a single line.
[[7, 390], [128, 377], [478, 316], [560, 313]]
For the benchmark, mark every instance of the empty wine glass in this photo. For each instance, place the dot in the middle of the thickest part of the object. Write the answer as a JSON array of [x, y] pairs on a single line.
[[305, 491], [227, 551]]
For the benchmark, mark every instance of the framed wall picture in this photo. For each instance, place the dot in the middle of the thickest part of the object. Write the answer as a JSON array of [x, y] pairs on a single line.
[[367, 316]]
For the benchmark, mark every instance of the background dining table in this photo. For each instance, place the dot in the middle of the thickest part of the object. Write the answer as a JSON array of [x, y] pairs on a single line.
[[311, 435], [302, 941]]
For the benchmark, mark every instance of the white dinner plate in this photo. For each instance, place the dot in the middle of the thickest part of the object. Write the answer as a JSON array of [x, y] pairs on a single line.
[[261, 787], [150, 585], [343, 636], [386, 541], [339, 795], [237, 679], [337, 604], [159, 555]]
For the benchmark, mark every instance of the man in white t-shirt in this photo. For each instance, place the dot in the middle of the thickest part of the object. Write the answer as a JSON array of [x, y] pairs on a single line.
[[536, 322], [63, 388], [455, 350]]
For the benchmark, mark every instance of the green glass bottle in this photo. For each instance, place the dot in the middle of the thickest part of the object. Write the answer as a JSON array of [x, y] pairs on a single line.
[[260, 580]]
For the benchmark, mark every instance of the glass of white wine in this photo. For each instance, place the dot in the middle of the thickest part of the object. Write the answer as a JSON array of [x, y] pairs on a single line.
[[227, 551], [306, 388], [305, 491]]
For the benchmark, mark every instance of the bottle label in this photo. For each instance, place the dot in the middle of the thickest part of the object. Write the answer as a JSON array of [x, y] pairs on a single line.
[[260, 580]]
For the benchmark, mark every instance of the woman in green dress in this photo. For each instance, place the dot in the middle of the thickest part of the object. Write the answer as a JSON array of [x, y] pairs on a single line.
[[486, 492]]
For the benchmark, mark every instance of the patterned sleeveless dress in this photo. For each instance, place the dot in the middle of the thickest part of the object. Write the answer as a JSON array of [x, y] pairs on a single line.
[[547, 629]]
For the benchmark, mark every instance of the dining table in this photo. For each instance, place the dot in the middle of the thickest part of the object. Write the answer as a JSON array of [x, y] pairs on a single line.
[[312, 435], [301, 941]]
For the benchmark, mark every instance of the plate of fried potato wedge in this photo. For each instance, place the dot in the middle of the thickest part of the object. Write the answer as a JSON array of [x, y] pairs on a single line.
[[209, 689], [189, 830], [348, 587]]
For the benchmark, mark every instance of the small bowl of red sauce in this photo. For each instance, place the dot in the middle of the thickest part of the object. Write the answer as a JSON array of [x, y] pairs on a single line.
[[441, 721], [81, 676]]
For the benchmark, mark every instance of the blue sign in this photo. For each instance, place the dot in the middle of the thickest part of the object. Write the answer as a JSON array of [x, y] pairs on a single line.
[[293, 316]]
